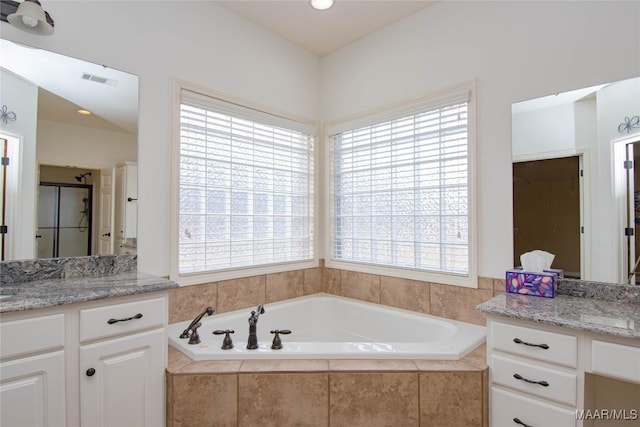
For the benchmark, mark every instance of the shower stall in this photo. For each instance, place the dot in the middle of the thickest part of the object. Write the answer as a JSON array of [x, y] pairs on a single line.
[[64, 220]]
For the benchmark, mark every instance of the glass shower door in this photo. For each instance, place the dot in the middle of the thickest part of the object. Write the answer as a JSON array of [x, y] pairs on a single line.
[[64, 220]]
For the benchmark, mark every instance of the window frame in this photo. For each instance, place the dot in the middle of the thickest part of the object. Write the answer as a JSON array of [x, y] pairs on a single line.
[[195, 278], [389, 112]]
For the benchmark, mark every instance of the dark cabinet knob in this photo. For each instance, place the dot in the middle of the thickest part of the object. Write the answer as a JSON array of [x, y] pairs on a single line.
[[91, 372]]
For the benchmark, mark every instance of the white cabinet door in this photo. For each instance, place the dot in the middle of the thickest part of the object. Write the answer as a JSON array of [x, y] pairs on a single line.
[[126, 387], [32, 391]]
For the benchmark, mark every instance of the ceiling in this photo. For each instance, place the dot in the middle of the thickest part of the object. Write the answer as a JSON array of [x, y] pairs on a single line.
[[63, 87], [323, 32], [62, 90]]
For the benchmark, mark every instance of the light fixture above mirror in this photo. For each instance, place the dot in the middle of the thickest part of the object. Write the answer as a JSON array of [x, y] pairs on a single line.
[[28, 16]]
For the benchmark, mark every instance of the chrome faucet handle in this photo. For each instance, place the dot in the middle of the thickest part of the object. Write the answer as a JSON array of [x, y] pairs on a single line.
[[227, 344], [277, 342]]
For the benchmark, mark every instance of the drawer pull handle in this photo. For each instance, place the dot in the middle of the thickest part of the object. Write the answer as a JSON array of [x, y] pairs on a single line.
[[90, 372], [517, 421], [519, 341], [112, 321], [520, 377]]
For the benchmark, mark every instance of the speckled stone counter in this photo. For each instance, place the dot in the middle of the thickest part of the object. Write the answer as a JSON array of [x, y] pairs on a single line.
[[33, 284], [587, 306]]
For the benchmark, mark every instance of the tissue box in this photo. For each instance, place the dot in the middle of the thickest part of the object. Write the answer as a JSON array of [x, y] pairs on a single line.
[[528, 283]]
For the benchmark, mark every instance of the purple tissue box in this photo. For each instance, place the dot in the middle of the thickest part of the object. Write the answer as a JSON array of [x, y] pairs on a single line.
[[528, 283]]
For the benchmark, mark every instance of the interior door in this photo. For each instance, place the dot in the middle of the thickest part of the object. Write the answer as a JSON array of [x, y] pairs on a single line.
[[106, 211]]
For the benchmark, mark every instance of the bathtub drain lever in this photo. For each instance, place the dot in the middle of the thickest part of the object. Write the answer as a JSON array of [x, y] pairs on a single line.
[[277, 342]]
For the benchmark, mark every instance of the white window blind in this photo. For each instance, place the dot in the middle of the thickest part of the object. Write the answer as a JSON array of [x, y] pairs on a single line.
[[400, 188], [245, 187]]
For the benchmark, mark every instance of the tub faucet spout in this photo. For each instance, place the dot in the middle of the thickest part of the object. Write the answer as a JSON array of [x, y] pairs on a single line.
[[252, 343]]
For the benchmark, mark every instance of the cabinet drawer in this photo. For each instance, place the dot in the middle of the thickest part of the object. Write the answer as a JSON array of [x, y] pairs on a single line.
[[617, 360], [560, 386], [535, 343], [507, 408], [29, 335], [110, 320]]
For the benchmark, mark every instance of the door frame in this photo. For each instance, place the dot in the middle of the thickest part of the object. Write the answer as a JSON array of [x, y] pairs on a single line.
[[584, 160]]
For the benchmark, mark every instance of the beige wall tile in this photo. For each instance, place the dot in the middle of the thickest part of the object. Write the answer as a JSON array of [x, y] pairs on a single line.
[[241, 293], [485, 283], [373, 399], [204, 400], [458, 303], [362, 286], [281, 400], [186, 302], [282, 286], [404, 293], [331, 281], [312, 281], [451, 399]]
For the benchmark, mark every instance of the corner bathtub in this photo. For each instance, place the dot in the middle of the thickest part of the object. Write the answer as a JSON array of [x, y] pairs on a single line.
[[330, 327]]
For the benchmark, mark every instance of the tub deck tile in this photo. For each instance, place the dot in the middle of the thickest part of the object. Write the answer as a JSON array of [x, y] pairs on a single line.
[[284, 365], [177, 360], [472, 362], [212, 367], [379, 365]]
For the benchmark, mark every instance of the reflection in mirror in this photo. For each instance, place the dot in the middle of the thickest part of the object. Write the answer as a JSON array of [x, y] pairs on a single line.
[[573, 189], [70, 188]]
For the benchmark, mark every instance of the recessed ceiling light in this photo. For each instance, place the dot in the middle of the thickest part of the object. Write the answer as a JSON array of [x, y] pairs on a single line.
[[321, 4], [85, 112]]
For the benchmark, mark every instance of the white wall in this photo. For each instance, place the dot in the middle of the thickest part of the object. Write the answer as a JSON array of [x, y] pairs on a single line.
[[515, 50], [21, 96], [614, 103], [530, 138], [63, 144], [196, 41]]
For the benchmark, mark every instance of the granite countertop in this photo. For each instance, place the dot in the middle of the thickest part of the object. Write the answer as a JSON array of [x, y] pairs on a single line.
[[616, 318], [33, 284]]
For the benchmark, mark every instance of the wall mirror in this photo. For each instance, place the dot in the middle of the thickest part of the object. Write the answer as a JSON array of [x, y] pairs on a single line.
[[69, 129], [574, 180]]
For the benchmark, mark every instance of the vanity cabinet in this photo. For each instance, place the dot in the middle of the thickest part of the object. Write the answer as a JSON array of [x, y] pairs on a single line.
[[121, 354], [537, 373], [97, 363], [534, 380], [32, 371]]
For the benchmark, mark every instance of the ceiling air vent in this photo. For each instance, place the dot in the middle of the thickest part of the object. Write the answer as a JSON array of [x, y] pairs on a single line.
[[99, 79]]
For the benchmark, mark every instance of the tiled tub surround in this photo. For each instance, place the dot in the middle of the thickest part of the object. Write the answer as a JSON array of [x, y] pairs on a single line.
[[336, 392], [35, 284], [451, 302], [318, 393]]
